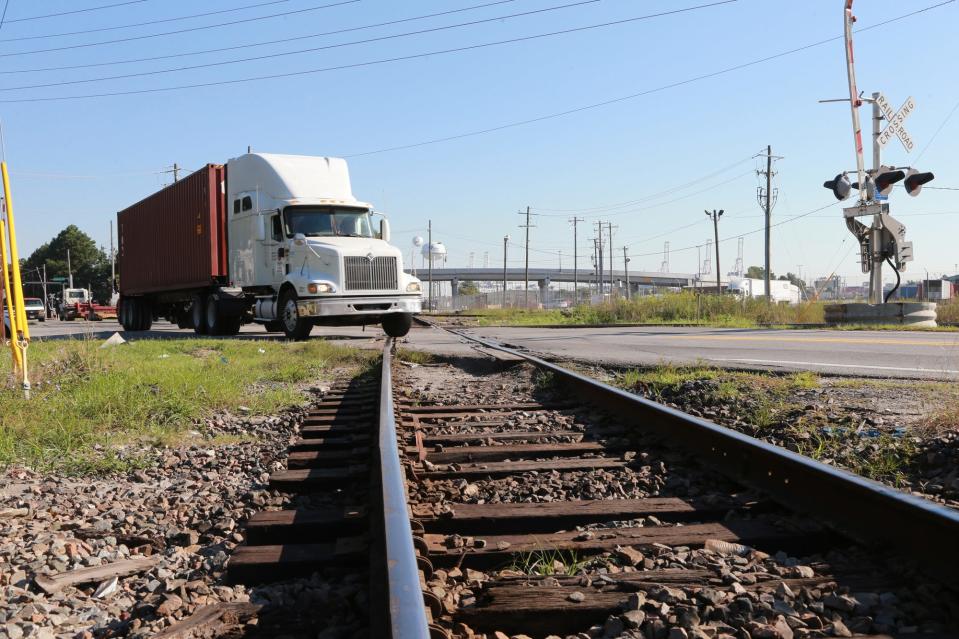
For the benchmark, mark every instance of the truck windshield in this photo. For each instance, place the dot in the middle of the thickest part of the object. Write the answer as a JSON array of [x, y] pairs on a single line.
[[327, 221]]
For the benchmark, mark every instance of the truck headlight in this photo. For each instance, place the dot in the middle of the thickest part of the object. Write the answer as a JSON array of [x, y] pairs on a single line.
[[413, 287], [319, 287]]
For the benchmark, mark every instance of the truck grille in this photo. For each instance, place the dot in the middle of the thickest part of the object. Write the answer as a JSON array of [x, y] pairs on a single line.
[[363, 274]]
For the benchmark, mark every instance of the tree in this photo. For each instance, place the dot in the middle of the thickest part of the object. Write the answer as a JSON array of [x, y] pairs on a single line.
[[756, 273], [469, 288], [794, 279], [90, 263]]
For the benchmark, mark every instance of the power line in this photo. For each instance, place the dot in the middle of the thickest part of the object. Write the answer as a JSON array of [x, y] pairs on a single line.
[[143, 24], [299, 51], [87, 10], [256, 44], [640, 94], [188, 30], [941, 126], [369, 62], [759, 230], [653, 196], [6, 3]]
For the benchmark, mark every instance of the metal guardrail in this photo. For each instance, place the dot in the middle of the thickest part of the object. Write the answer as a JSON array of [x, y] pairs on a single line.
[[407, 611], [863, 509]]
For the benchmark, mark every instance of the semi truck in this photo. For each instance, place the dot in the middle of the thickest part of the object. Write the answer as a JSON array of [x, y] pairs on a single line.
[[279, 240]]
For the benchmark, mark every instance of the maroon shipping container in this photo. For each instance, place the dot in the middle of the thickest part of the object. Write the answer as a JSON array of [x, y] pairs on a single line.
[[176, 238]]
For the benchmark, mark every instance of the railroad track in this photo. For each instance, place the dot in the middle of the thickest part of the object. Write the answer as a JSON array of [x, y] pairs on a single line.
[[536, 502]]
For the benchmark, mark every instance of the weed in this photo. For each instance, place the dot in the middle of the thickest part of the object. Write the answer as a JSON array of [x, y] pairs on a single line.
[[414, 357], [548, 562]]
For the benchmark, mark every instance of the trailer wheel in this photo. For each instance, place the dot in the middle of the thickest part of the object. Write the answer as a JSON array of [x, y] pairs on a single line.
[[397, 324], [146, 314], [275, 326], [294, 326], [198, 314]]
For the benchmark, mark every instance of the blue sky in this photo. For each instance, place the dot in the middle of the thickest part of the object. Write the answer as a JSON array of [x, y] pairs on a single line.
[[674, 152]]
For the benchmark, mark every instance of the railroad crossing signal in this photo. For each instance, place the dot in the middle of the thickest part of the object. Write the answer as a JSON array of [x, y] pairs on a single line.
[[896, 120]]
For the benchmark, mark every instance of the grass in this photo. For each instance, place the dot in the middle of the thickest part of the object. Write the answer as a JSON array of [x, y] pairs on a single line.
[[688, 308], [729, 385], [414, 357], [684, 307], [546, 562], [89, 403]]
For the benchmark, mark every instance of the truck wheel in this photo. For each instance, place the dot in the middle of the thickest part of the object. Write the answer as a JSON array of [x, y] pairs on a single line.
[[146, 314], [276, 326], [397, 324], [123, 313], [217, 323], [294, 326], [198, 314], [184, 319]]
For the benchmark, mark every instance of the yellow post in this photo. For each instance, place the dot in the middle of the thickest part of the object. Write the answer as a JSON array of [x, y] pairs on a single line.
[[14, 257], [8, 297]]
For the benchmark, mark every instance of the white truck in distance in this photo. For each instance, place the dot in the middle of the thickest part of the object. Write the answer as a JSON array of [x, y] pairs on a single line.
[[274, 239], [780, 290]]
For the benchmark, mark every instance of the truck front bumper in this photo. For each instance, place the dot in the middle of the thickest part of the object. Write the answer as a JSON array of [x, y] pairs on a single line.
[[361, 305]]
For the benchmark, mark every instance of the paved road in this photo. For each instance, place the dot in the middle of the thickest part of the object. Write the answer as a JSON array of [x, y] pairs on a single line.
[[867, 353], [858, 353]]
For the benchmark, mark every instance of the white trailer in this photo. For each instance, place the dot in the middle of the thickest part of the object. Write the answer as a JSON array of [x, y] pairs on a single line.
[[780, 290]]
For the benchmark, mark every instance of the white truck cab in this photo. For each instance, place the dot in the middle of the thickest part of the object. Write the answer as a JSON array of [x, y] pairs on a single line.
[[308, 251]]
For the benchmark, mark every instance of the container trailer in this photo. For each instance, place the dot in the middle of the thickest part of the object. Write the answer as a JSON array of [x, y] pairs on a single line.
[[275, 239]]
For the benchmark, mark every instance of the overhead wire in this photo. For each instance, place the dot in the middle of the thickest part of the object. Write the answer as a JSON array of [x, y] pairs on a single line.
[[249, 45], [368, 63], [299, 51], [179, 31], [644, 198], [74, 11], [143, 24], [597, 105], [3, 17]]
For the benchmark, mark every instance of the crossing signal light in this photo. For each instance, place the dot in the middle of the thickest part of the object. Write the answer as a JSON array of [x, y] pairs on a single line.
[[885, 179], [840, 186], [915, 180]]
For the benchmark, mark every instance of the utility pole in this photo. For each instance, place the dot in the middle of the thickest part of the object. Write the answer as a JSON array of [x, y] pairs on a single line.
[[626, 270], [575, 222], [505, 245], [767, 198], [46, 300], [716, 215], [601, 284], [526, 226], [176, 172], [429, 257], [69, 269], [610, 227], [595, 266]]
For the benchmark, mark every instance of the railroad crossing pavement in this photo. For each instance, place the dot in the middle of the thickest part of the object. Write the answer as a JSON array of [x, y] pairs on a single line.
[[922, 355]]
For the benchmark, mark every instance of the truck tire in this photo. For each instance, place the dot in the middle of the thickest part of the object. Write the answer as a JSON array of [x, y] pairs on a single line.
[[124, 314], [397, 324], [198, 313], [184, 319], [217, 321], [276, 326], [295, 327], [146, 313]]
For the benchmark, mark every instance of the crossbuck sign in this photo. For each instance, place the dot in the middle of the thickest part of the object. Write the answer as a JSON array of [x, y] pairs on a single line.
[[896, 120]]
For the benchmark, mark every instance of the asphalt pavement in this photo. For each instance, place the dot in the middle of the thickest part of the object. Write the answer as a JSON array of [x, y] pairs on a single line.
[[912, 354]]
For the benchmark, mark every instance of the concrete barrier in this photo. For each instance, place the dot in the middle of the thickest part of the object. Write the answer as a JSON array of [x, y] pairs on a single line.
[[917, 314]]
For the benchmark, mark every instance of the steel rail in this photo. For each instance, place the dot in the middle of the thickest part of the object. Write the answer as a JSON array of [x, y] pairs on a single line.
[[407, 610], [862, 509]]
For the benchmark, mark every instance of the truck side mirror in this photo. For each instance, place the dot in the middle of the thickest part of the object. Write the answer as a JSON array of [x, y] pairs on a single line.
[[385, 230], [299, 239]]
